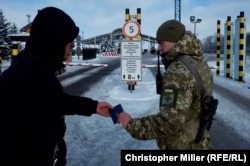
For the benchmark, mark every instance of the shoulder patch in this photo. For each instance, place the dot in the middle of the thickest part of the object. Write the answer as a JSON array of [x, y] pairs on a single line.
[[168, 96]]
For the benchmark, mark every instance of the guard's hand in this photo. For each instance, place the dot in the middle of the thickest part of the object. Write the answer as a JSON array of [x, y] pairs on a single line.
[[103, 109], [124, 118]]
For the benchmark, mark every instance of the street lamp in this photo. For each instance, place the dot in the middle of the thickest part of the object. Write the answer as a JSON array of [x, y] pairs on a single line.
[[28, 16], [192, 19], [82, 39]]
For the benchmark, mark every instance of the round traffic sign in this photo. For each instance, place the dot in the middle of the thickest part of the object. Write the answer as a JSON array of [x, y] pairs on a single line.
[[131, 29]]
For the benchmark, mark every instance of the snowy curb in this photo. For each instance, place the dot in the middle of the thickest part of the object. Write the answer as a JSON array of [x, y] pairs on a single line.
[[84, 64]]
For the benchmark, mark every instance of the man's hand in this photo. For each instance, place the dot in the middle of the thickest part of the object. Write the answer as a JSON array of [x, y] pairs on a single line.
[[103, 109], [124, 118]]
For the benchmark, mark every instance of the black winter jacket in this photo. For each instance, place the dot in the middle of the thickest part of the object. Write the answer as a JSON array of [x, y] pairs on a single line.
[[32, 106]]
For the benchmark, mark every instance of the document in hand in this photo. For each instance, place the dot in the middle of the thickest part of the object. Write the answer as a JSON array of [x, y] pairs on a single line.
[[115, 112]]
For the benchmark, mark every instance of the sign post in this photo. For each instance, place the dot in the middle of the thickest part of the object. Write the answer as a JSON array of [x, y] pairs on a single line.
[[78, 44], [131, 49]]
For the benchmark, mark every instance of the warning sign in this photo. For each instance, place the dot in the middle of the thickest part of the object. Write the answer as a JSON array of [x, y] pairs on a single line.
[[131, 52], [131, 29]]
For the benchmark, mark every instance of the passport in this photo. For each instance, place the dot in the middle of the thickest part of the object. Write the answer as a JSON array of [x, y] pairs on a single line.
[[115, 112]]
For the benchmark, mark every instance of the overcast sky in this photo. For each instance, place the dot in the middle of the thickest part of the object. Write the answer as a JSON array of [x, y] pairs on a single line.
[[96, 17]]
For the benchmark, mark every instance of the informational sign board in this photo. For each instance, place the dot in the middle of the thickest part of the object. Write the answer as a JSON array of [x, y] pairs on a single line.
[[131, 52], [133, 17]]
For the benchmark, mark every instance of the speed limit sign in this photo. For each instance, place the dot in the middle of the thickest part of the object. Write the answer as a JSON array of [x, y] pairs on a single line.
[[131, 29]]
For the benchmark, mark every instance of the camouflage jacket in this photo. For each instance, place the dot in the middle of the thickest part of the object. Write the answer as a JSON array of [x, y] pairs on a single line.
[[176, 125]]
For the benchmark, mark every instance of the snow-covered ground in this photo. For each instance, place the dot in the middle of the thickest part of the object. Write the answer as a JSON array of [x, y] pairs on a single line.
[[96, 140]]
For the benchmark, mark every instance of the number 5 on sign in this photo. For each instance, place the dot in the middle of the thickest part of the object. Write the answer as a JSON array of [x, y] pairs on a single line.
[[131, 29]]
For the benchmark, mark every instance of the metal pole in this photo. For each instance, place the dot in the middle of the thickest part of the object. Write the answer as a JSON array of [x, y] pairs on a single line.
[[82, 39], [218, 35], [195, 28]]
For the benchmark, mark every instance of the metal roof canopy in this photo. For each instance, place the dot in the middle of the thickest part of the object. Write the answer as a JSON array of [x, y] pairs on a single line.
[[115, 34], [19, 36]]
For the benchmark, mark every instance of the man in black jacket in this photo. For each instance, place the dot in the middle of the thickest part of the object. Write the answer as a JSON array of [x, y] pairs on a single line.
[[33, 103]]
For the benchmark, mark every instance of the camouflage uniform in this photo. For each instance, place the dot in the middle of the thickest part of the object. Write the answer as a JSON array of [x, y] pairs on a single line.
[[176, 125]]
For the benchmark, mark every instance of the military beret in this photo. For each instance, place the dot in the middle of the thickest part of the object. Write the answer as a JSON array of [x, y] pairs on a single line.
[[171, 31]]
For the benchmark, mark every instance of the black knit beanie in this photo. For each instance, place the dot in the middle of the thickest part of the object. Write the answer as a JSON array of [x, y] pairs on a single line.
[[171, 31], [51, 29]]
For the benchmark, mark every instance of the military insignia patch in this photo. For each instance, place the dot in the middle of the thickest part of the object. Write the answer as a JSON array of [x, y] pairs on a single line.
[[168, 96]]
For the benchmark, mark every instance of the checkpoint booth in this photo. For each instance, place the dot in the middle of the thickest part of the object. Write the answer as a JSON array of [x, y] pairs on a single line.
[[17, 43], [18, 40]]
